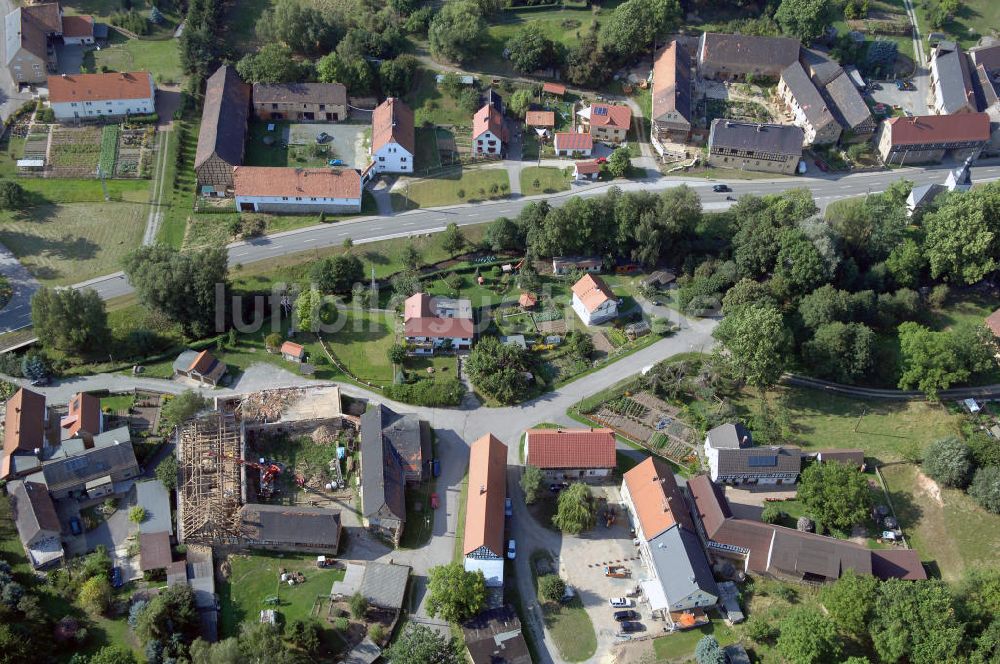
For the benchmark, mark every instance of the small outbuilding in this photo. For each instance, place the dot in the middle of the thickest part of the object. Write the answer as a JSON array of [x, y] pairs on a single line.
[[660, 279], [586, 170], [293, 352], [200, 366], [527, 300]]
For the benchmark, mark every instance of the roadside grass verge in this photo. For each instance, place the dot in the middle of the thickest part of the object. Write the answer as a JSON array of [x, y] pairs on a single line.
[[549, 180], [569, 624], [452, 188], [463, 497]]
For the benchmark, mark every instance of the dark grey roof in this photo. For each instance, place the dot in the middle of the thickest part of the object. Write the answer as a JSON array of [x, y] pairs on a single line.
[[77, 470], [302, 93], [185, 360], [384, 584], [986, 56], [292, 525], [223, 118], [731, 435], [821, 68], [401, 431], [155, 499], [847, 104], [681, 564], [759, 461], [736, 654], [801, 553], [34, 512], [987, 89], [737, 50], [495, 637], [954, 78], [806, 95], [763, 138], [382, 483]]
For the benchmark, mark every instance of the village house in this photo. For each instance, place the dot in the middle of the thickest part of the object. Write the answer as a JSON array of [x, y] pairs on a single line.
[[431, 324], [300, 102], [200, 366], [850, 110], [494, 637], [926, 139], [672, 97], [586, 170], [573, 144], [291, 528], [84, 419], [31, 35], [985, 63], [383, 485], [296, 190], [607, 123], [571, 454], [807, 106], [731, 56], [681, 586], [37, 523], [755, 147], [78, 30], [566, 264], [77, 96], [87, 473], [593, 301], [293, 352], [554, 89], [786, 553], [393, 139], [483, 546], [489, 136], [24, 433], [951, 80], [540, 119], [223, 129], [409, 436], [732, 458]]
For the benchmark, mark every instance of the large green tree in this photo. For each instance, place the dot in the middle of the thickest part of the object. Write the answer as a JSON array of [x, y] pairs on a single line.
[[457, 30], [805, 19], [530, 50], [498, 370], [70, 320], [352, 71], [453, 593], [337, 274], [915, 621], [113, 654], [843, 352], [272, 64], [302, 26], [183, 286], [503, 235], [576, 511], [963, 235], [850, 601], [948, 461], [419, 644], [756, 343], [634, 25], [985, 488], [934, 361], [171, 612], [835, 494], [397, 75], [807, 637]]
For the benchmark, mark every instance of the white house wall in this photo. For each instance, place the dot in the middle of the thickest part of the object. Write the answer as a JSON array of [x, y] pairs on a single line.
[[292, 205], [393, 158], [491, 568]]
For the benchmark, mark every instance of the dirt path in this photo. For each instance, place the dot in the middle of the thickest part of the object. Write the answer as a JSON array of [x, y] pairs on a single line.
[[930, 487]]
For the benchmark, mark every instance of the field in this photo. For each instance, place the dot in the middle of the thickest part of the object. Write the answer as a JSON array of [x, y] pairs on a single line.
[[454, 187], [550, 180], [160, 57], [973, 19], [255, 577], [66, 244]]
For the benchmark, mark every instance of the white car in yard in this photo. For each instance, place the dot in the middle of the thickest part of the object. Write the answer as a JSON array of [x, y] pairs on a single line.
[[621, 602]]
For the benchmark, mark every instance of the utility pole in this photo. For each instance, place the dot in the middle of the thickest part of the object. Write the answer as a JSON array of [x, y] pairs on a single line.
[[104, 184]]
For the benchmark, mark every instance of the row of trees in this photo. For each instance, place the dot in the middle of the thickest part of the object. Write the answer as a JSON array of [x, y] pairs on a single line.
[[952, 462]]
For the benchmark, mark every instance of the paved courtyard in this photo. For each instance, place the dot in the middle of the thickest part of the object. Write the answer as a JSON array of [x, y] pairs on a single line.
[[348, 142]]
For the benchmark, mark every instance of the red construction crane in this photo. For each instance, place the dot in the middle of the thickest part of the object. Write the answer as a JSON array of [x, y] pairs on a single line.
[[268, 472]]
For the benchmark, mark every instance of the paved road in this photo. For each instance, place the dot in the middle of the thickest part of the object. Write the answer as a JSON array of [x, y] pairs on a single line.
[[825, 188]]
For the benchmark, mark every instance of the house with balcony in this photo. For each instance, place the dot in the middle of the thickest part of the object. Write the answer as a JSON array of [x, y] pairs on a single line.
[[672, 97], [432, 324], [489, 136]]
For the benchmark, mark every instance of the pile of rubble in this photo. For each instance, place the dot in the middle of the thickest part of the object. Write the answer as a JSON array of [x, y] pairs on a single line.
[[266, 406]]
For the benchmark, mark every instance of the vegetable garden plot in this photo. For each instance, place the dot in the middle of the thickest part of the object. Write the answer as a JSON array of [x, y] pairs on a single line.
[[86, 152]]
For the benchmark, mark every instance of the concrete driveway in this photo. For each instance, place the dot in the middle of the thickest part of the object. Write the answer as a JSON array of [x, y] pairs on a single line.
[[914, 101], [348, 142]]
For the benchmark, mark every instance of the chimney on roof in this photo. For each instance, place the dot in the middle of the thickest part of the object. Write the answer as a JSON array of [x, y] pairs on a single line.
[[482, 489]]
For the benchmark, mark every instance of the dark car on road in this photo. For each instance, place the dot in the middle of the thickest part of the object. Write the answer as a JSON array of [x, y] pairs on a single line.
[[719, 188], [626, 615], [116, 577], [323, 137], [628, 627], [74, 526], [508, 507]]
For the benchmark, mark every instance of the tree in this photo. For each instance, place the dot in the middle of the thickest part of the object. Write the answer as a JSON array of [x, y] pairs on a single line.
[[948, 462], [307, 304], [397, 75], [12, 196], [452, 241], [620, 163], [337, 274], [520, 102], [634, 24], [273, 63], [457, 30], [70, 320], [760, 629], [905, 263], [576, 511], [807, 636], [455, 594], [498, 370], [850, 601], [551, 587], [589, 64], [843, 352], [531, 483], [756, 341], [799, 264], [359, 606], [137, 514], [113, 655], [419, 644], [353, 72], [189, 288], [166, 472], [397, 354], [95, 594], [934, 361], [302, 26], [405, 283], [180, 408], [410, 256], [260, 643], [34, 366], [915, 621], [836, 494], [172, 612], [805, 19], [963, 235], [985, 488], [530, 50], [746, 291], [708, 651]]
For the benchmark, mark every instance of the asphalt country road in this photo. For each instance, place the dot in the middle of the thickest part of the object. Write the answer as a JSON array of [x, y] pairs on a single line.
[[363, 230]]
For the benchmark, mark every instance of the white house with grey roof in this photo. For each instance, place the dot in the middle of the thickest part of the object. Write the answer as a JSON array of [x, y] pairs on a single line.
[[95, 472], [951, 80], [733, 459]]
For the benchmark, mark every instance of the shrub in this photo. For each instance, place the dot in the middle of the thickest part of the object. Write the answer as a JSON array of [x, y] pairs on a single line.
[[359, 606], [430, 393], [377, 633], [939, 296], [760, 630], [273, 341], [771, 514], [948, 462], [551, 587], [985, 488], [137, 514], [342, 624]]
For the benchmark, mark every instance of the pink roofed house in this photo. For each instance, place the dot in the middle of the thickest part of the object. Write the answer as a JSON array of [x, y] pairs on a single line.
[[437, 323], [488, 133]]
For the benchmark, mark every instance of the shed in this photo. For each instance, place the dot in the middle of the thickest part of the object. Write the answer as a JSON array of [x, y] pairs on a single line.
[[154, 551], [384, 585], [557, 89], [527, 300], [293, 352], [659, 279]]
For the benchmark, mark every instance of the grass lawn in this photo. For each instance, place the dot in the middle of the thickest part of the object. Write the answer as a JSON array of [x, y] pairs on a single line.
[[160, 57], [463, 498], [569, 624], [419, 516], [681, 645], [427, 155], [973, 19], [299, 156], [183, 181], [66, 244], [118, 402], [240, 24], [550, 180], [362, 345], [431, 105], [56, 190], [299, 454], [962, 309], [881, 429], [255, 577], [953, 534], [451, 188]]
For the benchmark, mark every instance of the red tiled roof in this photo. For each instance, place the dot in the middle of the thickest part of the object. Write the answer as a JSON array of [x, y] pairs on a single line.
[[78, 26], [656, 497], [993, 322], [439, 328], [540, 119], [610, 115], [710, 504], [293, 349], [484, 518], [592, 291], [417, 305], [527, 300], [296, 182], [392, 121], [202, 362], [24, 424], [84, 415], [571, 140], [571, 448], [100, 87], [488, 118], [923, 129], [588, 167], [554, 88]]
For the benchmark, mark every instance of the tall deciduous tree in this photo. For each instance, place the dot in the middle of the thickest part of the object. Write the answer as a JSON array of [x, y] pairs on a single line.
[[453, 241], [963, 235], [531, 50], [419, 644], [948, 461], [520, 102], [915, 621], [805, 19], [836, 494], [850, 601], [397, 75], [457, 30], [531, 483], [272, 64], [985, 488], [503, 235], [635, 23], [337, 274], [808, 637], [353, 71], [843, 352], [455, 594], [498, 369], [70, 320], [934, 361], [576, 512], [756, 342]]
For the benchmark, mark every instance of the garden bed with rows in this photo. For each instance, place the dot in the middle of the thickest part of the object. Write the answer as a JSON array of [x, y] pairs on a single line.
[[75, 152]]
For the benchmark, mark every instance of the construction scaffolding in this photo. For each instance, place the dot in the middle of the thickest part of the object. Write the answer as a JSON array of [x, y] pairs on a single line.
[[211, 479]]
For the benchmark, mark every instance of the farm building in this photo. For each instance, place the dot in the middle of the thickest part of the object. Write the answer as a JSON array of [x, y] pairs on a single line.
[[76, 96]]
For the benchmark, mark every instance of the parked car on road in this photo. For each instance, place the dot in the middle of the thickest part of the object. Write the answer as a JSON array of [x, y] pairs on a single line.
[[617, 572], [508, 507], [556, 487], [721, 188], [116, 577], [511, 549], [74, 526], [628, 627], [621, 602], [323, 137], [627, 614]]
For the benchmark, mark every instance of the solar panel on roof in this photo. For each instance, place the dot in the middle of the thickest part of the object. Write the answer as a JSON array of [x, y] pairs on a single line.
[[600, 110], [762, 461]]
